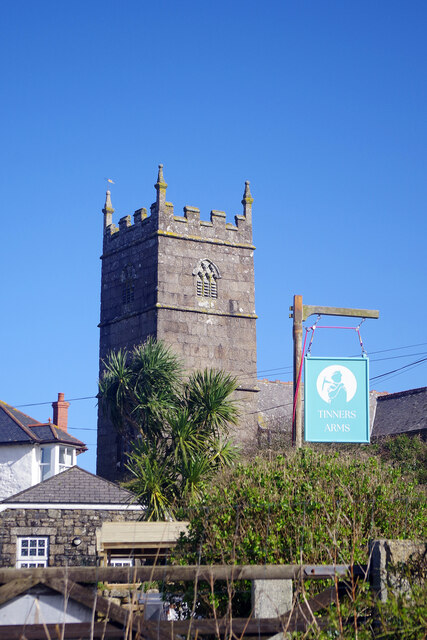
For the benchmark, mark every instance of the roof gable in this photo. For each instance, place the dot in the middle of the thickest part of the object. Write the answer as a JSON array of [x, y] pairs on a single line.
[[17, 428], [74, 486], [13, 426]]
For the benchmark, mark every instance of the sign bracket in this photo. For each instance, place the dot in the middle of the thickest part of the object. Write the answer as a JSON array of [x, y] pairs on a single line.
[[300, 313]]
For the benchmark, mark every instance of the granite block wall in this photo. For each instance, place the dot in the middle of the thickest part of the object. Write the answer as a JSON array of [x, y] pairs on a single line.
[[61, 526]]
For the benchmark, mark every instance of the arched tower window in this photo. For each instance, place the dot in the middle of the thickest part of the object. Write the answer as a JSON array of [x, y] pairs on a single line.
[[207, 275], [128, 284]]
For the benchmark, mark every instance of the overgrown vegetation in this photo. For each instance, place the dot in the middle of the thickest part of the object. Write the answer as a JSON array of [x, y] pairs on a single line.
[[409, 454], [304, 507], [307, 505]]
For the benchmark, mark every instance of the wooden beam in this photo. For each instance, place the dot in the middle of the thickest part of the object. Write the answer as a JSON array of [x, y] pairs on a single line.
[[116, 613], [310, 309], [90, 599], [16, 587], [132, 575], [238, 626], [69, 630]]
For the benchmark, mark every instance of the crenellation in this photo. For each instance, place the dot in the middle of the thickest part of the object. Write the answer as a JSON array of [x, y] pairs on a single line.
[[240, 220], [218, 219], [111, 231], [192, 214], [169, 209], [190, 226], [125, 223], [140, 215]]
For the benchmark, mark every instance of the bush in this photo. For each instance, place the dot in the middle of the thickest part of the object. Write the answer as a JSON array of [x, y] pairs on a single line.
[[308, 506]]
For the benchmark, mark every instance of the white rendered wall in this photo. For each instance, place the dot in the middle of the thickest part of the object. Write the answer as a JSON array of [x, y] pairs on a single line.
[[19, 468], [44, 608]]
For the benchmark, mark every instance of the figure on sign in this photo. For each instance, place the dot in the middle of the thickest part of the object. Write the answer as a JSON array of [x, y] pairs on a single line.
[[336, 388], [336, 384]]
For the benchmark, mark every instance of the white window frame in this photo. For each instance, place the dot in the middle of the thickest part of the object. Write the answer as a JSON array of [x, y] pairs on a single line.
[[71, 453], [26, 544], [116, 561], [54, 466], [46, 468]]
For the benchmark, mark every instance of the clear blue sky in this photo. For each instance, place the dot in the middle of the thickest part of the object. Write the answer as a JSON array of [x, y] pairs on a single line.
[[320, 104]]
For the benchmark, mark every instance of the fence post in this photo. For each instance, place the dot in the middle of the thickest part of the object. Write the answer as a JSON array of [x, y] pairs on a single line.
[[271, 598], [388, 558]]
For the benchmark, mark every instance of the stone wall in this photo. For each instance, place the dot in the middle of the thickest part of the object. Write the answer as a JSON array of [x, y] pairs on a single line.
[[391, 562], [160, 253], [61, 526]]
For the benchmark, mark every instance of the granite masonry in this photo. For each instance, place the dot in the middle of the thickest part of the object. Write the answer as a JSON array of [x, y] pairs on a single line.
[[55, 522], [188, 282]]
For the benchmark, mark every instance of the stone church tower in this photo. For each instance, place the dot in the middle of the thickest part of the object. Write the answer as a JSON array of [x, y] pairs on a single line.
[[188, 282]]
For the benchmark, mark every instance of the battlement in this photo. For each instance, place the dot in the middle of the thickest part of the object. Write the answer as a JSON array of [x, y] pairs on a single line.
[[162, 221]]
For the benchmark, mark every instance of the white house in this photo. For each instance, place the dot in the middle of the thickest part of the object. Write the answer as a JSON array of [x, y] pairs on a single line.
[[32, 451]]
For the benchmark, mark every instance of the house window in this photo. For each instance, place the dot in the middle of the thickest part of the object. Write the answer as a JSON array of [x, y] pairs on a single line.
[[32, 552], [121, 562], [207, 275], [66, 458], [46, 463], [128, 285]]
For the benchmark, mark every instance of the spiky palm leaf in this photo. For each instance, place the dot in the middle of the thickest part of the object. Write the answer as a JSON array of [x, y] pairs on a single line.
[[195, 473], [154, 481], [115, 389], [181, 427], [139, 388], [209, 400], [224, 454], [185, 436]]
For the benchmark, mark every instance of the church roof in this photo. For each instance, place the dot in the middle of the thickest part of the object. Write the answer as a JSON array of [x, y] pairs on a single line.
[[18, 428], [402, 412], [74, 486]]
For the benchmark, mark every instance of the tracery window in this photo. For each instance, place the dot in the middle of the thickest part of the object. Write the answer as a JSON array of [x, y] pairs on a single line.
[[207, 275], [128, 284]]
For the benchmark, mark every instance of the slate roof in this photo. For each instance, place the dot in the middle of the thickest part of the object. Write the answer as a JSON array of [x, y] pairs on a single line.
[[402, 412], [389, 413], [18, 428], [74, 486]]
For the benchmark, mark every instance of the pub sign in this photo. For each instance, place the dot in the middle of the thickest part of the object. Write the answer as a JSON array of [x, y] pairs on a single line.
[[336, 399]]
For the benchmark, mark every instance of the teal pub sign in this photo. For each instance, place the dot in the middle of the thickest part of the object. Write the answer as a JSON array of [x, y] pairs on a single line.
[[336, 399]]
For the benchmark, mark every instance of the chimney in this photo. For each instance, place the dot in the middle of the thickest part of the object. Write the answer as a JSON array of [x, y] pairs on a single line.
[[60, 412]]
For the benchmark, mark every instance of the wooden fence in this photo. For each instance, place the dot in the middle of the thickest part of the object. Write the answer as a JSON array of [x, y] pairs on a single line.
[[122, 622]]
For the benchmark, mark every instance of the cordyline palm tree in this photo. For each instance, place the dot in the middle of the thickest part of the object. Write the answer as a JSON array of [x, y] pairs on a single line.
[[177, 429]]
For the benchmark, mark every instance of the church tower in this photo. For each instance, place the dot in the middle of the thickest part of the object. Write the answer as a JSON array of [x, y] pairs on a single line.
[[188, 282]]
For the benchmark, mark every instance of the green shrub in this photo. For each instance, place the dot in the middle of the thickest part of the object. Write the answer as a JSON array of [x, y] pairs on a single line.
[[308, 506]]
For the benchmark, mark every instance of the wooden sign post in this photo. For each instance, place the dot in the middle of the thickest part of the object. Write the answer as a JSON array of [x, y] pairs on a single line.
[[301, 312]]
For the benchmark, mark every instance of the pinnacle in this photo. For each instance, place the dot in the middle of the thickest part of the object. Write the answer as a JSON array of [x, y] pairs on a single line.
[[108, 207], [247, 196], [160, 184]]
